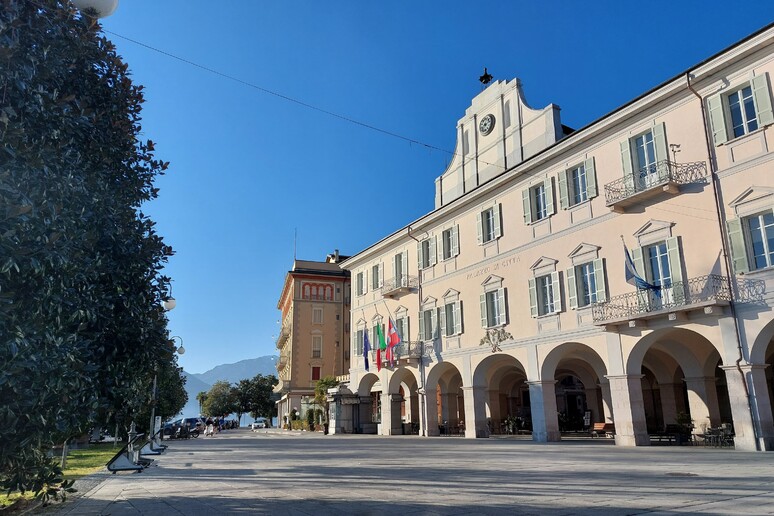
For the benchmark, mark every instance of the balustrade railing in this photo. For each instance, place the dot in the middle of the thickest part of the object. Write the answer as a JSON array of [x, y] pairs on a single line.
[[399, 282], [694, 291], [657, 174]]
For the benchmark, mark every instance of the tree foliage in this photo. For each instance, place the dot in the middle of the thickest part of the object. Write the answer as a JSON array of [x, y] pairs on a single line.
[[220, 400], [262, 401], [321, 391], [81, 325]]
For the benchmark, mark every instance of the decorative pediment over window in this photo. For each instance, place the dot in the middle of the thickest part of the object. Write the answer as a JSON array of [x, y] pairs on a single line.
[[492, 281], [753, 200], [451, 294], [654, 231], [401, 311], [428, 302], [544, 265], [584, 253], [360, 322], [376, 319]]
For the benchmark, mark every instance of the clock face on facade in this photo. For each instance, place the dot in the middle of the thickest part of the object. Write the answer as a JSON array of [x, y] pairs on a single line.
[[487, 124]]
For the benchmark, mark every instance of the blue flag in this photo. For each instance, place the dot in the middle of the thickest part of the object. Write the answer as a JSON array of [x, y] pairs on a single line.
[[366, 348], [633, 278]]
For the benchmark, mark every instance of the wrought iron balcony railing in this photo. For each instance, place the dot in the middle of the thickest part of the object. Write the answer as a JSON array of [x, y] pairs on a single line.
[[683, 295], [399, 285], [661, 174]]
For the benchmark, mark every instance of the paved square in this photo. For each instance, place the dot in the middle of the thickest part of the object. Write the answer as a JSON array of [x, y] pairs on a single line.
[[275, 472]]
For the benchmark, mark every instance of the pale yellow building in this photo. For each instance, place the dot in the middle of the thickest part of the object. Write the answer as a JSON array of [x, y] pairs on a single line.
[[512, 297], [314, 334]]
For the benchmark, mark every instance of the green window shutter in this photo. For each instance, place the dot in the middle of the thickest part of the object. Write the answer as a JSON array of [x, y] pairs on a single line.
[[479, 229], [483, 311], [496, 219], [738, 250], [443, 321], [404, 266], [365, 281], [639, 263], [660, 142], [419, 255], [548, 184], [458, 317], [676, 269], [406, 329], [626, 163], [527, 202], [501, 313], [381, 275], [434, 322], [591, 178], [599, 279], [533, 302], [433, 254], [572, 288], [455, 250], [421, 326], [673, 252], [564, 198], [717, 118], [556, 288], [762, 100]]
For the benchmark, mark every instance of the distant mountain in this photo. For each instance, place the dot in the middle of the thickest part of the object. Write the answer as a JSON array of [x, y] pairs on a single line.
[[232, 373], [241, 370]]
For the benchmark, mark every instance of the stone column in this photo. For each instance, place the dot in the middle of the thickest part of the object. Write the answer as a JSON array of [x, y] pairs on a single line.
[[629, 411], [431, 408], [703, 401], [607, 402], [396, 425], [386, 413], [475, 412], [669, 403], [752, 431], [545, 423]]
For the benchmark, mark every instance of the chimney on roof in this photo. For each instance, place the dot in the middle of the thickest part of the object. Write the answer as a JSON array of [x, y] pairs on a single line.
[[335, 256]]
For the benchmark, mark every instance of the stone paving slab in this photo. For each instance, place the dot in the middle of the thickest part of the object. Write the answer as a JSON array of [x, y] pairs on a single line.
[[300, 473]]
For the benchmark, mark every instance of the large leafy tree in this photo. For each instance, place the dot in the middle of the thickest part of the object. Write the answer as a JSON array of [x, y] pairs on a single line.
[[220, 400], [321, 391], [81, 327], [262, 399]]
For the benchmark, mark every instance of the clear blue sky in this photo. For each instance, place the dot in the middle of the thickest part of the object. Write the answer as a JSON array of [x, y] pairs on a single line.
[[248, 167]]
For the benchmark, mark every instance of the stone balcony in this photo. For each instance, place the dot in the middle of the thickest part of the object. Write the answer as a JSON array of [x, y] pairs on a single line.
[[285, 332], [707, 294], [398, 286], [661, 177]]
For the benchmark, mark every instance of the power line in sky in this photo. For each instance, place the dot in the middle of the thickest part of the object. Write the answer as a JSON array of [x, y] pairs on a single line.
[[291, 99]]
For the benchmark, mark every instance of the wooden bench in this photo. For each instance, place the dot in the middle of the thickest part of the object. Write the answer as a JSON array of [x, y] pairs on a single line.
[[603, 430]]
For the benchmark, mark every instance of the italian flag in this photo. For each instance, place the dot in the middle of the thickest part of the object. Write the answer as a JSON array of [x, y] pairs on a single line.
[[382, 345]]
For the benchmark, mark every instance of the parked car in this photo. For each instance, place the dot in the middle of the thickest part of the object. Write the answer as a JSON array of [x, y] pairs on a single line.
[[190, 422], [260, 422]]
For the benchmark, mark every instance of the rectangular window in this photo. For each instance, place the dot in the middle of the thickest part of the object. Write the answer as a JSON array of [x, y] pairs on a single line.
[[587, 284], [742, 111], [315, 373], [359, 340], [493, 308], [488, 224], [760, 229], [546, 295], [450, 243], [401, 326], [426, 253], [317, 315], [539, 207], [741, 107], [317, 346], [451, 319], [376, 277], [578, 187], [360, 284], [427, 324]]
